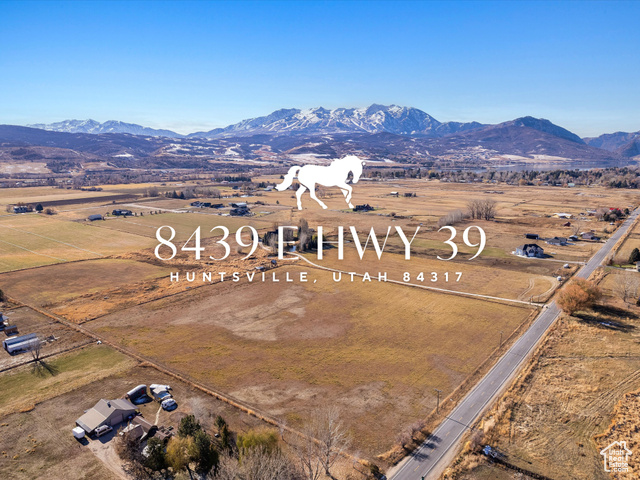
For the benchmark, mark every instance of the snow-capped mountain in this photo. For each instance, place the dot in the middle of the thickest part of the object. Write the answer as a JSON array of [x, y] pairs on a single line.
[[373, 119], [110, 126]]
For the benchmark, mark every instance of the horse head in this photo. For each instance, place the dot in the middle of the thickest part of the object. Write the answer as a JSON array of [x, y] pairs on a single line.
[[356, 167]]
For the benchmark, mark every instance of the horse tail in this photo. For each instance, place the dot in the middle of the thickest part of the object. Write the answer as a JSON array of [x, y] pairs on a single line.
[[288, 179]]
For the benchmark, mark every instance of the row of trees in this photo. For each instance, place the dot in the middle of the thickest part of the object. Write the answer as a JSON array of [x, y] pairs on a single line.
[[479, 209], [259, 454], [615, 177], [482, 209]]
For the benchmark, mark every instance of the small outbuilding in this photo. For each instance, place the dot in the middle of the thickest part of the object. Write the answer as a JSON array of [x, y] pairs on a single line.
[[93, 218], [11, 330], [20, 344], [119, 212], [532, 236]]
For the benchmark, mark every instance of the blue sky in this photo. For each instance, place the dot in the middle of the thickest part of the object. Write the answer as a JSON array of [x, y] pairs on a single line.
[[199, 65]]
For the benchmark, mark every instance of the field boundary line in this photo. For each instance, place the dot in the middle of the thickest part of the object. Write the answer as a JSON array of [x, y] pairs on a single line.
[[427, 287], [49, 355], [53, 240], [228, 399], [31, 251]]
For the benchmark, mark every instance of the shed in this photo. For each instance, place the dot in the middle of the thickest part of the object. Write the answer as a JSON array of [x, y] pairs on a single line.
[[94, 217], [106, 412], [11, 330], [21, 343], [532, 236]]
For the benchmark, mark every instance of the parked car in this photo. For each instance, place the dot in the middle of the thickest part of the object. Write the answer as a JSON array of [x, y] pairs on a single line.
[[102, 429], [169, 404]]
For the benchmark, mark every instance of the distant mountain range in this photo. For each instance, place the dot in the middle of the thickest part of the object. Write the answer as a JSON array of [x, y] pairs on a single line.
[[623, 143], [373, 119], [401, 134], [110, 126]]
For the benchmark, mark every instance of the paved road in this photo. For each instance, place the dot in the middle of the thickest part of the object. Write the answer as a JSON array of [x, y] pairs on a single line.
[[435, 454]]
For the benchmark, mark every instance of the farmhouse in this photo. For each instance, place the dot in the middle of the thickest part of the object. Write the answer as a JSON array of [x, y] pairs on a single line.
[[20, 344], [240, 211], [106, 412], [20, 209], [363, 208], [530, 250], [590, 236]]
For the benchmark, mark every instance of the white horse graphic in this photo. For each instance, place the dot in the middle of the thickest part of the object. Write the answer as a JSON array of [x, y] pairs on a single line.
[[334, 175]]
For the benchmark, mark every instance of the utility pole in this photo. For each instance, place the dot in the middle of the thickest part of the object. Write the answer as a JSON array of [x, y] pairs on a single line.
[[438, 402]]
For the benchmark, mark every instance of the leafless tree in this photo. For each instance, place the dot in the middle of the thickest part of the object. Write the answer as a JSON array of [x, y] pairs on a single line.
[[576, 227], [404, 438], [627, 286], [304, 235], [35, 348], [307, 451], [451, 218], [332, 436], [257, 464], [482, 209]]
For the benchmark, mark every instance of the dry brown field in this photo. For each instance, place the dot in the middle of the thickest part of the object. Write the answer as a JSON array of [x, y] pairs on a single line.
[[378, 350], [578, 395]]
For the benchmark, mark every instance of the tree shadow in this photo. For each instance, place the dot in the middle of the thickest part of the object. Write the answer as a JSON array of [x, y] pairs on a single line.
[[614, 311], [42, 368], [603, 322]]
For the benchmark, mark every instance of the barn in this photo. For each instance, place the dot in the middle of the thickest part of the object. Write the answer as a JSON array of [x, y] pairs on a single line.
[[106, 412], [21, 343]]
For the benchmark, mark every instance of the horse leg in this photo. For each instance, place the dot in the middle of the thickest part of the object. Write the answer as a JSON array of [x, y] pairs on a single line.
[[299, 193], [347, 196], [312, 192]]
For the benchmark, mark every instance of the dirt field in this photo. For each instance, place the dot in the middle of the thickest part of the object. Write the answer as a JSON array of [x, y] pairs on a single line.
[[259, 343], [571, 402], [535, 280], [37, 442], [76, 279]]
